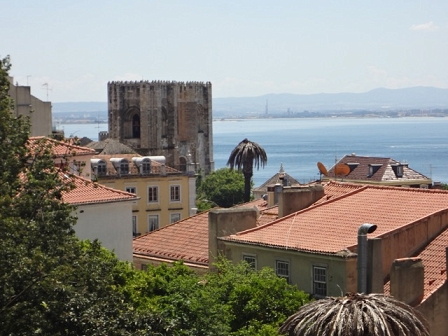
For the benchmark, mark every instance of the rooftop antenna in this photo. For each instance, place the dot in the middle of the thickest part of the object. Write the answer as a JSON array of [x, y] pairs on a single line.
[[47, 88], [27, 79]]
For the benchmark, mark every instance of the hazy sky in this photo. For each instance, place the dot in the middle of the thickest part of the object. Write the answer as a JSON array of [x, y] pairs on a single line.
[[245, 48]]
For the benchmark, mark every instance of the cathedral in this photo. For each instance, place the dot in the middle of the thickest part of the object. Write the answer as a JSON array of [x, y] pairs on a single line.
[[160, 118]]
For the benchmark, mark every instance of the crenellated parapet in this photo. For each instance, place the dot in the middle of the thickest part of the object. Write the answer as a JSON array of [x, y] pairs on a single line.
[[160, 82]]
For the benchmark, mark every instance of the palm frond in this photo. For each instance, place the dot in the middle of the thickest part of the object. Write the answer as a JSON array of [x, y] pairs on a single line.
[[356, 314]]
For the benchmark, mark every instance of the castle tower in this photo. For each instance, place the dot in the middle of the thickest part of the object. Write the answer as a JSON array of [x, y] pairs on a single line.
[[173, 119]]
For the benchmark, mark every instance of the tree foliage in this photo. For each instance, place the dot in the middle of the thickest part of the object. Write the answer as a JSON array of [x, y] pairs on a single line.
[[233, 300], [50, 283], [223, 187]]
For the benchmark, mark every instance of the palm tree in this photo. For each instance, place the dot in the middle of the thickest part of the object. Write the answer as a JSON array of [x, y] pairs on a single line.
[[356, 315], [245, 155]]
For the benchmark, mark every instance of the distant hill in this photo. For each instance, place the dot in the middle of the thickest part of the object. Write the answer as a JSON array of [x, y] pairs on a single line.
[[377, 99], [374, 100]]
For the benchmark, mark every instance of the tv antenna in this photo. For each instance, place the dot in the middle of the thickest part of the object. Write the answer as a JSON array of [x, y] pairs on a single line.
[[47, 88]]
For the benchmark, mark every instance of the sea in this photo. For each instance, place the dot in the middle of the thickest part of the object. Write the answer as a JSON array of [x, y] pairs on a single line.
[[298, 144]]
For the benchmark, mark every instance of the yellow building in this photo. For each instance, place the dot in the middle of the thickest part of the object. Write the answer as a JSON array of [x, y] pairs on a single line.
[[166, 195]]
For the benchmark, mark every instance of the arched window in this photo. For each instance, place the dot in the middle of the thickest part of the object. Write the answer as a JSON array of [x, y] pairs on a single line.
[[136, 126]]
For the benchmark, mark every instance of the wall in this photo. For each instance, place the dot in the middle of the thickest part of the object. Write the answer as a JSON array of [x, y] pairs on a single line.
[[341, 271], [435, 309], [406, 241], [24, 103], [110, 223], [164, 208], [175, 119]]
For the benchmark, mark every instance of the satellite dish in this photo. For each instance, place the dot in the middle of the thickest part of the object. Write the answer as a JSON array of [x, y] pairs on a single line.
[[322, 169], [342, 169]]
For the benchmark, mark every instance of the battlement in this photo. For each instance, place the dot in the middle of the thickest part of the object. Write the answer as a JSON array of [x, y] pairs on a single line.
[[159, 82]]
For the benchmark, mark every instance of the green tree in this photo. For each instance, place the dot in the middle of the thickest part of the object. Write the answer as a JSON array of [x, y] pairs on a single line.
[[245, 156], [356, 315], [223, 187], [50, 282]]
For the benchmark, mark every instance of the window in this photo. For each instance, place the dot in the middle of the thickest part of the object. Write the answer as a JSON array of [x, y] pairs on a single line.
[[282, 269], [101, 169], [175, 217], [153, 222], [131, 190], [153, 194], [124, 167], [175, 193], [146, 168], [251, 260], [319, 281], [134, 227]]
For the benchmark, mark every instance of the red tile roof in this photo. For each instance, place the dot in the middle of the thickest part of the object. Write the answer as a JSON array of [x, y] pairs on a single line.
[[188, 239], [434, 262], [332, 226], [88, 192], [61, 148], [184, 240]]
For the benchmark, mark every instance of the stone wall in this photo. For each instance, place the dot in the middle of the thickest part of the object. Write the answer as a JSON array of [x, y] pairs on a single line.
[[173, 119]]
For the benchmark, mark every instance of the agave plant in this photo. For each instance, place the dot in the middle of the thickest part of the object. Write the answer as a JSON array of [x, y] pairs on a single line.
[[356, 315]]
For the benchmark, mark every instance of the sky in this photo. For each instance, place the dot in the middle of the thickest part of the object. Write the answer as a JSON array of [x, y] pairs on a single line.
[[68, 51]]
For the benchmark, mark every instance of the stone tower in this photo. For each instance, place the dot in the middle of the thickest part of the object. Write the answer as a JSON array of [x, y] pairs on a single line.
[[173, 119]]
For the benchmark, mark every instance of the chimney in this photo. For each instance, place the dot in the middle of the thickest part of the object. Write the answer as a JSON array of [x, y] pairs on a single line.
[[295, 198], [273, 193], [407, 280], [225, 222]]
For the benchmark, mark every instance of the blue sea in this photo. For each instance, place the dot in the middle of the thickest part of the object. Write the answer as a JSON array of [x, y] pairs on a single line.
[[298, 144]]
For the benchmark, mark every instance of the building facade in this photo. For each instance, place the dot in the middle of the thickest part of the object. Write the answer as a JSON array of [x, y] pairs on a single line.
[[166, 195], [171, 119], [25, 104]]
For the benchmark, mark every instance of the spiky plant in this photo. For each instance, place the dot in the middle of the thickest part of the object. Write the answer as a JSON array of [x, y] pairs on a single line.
[[244, 156], [356, 315]]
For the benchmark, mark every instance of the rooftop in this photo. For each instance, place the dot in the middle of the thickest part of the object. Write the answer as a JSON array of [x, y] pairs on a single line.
[[388, 207], [61, 148], [88, 192]]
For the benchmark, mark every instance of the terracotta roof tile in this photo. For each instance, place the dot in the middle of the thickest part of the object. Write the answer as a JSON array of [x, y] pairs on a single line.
[[434, 263], [61, 148], [88, 192], [185, 240], [387, 207]]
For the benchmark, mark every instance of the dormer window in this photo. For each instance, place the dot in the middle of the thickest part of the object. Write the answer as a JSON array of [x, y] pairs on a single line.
[[352, 165], [120, 165], [99, 167], [373, 168], [398, 170], [143, 165], [124, 167]]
